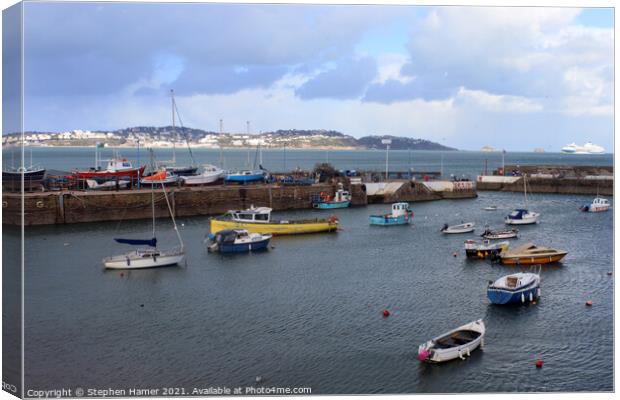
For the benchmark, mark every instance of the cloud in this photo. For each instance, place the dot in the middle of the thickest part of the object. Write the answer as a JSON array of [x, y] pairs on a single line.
[[347, 80], [482, 100]]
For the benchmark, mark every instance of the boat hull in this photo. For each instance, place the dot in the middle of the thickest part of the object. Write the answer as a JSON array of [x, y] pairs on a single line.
[[200, 179], [244, 178], [531, 260], [524, 221], [283, 228], [503, 296], [243, 247], [332, 204], [383, 220], [437, 355], [125, 262], [126, 173], [182, 171]]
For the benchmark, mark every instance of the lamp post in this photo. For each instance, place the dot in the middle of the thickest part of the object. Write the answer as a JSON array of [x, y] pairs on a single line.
[[387, 143]]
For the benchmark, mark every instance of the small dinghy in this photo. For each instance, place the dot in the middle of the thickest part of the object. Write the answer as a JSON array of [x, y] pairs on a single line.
[[462, 228], [516, 288], [486, 249], [457, 343], [238, 241], [490, 208], [501, 234]]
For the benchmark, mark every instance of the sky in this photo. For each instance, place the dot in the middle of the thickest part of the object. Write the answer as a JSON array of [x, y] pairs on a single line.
[[516, 78]]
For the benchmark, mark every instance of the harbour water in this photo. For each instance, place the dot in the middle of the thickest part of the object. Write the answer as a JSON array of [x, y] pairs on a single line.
[[307, 313]]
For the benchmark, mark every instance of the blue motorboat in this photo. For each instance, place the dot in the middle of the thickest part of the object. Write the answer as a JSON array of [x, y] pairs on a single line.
[[245, 176], [341, 199], [519, 288], [238, 241], [401, 215]]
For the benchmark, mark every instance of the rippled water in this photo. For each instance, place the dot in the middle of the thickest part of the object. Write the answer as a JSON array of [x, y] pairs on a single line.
[[308, 311]]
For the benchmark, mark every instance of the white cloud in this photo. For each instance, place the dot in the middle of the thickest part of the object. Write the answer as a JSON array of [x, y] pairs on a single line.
[[499, 103]]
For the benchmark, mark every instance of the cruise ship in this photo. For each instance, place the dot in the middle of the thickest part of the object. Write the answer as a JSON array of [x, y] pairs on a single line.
[[588, 148]]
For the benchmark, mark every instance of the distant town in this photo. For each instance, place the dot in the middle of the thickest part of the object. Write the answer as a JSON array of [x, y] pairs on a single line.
[[167, 136]]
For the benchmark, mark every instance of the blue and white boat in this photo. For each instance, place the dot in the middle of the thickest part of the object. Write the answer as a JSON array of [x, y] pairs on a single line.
[[519, 288], [401, 215], [238, 241], [341, 199], [245, 176]]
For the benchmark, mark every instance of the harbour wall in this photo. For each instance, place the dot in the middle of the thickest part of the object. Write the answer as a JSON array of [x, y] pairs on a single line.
[[67, 207], [555, 185]]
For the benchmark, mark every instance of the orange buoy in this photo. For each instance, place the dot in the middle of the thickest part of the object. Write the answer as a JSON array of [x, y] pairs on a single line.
[[589, 303], [539, 363], [386, 313]]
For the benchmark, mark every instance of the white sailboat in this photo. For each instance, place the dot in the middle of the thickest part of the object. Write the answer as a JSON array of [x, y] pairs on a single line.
[[151, 256], [522, 216]]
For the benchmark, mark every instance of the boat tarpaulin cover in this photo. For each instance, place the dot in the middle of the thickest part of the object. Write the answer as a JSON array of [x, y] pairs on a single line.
[[135, 242]]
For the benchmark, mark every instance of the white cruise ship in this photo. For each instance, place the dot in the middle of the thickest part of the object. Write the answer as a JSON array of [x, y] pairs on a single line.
[[588, 148]]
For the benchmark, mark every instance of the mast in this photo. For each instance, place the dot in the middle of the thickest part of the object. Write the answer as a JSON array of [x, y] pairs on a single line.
[[174, 223], [247, 123], [174, 131], [525, 190], [153, 208], [220, 143]]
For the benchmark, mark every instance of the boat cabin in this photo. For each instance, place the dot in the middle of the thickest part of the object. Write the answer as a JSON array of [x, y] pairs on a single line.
[[599, 201], [118, 165], [228, 236], [399, 209], [517, 214], [256, 215]]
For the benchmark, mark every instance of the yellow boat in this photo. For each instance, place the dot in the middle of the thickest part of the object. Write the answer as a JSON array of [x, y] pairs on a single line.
[[529, 254], [258, 220]]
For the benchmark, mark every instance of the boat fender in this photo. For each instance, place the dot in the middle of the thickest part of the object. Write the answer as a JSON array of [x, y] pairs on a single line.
[[522, 298], [461, 355], [538, 292], [482, 343], [128, 262], [154, 258], [468, 353], [531, 296]]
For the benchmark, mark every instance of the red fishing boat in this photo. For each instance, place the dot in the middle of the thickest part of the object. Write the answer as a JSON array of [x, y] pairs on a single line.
[[118, 167]]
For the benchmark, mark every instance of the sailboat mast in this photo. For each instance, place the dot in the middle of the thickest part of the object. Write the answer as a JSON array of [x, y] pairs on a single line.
[[174, 223], [174, 131], [220, 143], [247, 123], [153, 208], [525, 190]]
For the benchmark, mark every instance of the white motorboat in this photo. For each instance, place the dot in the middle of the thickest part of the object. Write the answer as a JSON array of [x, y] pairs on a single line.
[[515, 288], [461, 228], [457, 343], [151, 256], [495, 235], [522, 216], [210, 174], [599, 204]]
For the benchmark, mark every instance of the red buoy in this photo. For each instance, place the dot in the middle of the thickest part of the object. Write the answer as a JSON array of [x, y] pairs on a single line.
[[455, 254], [386, 313], [609, 273], [539, 363], [589, 303]]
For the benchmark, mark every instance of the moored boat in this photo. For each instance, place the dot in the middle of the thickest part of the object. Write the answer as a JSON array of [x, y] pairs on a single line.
[[341, 199], [258, 220], [490, 208], [599, 204], [245, 176], [117, 167], [500, 234], [210, 174], [401, 215], [33, 178], [529, 254], [522, 216], [457, 343], [238, 241], [516, 288], [485, 249], [159, 178], [461, 228], [107, 185]]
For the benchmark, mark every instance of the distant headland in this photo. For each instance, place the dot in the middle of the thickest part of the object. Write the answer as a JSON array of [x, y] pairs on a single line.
[[162, 137]]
